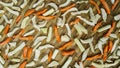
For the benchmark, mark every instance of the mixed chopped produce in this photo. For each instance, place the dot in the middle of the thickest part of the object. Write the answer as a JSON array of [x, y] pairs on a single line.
[[59, 33]]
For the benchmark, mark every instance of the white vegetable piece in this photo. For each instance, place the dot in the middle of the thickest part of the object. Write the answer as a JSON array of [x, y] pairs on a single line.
[[117, 17], [118, 52], [55, 53], [39, 2], [25, 22], [60, 22], [112, 1], [44, 30], [68, 30], [15, 60], [24, 4], [85, 53], [20, 47], [14, 66], [65, 38], [12, 11], [29, 33], [1, 27], [16, 8], [104, 28], [12, 44], [113, 35], [7, 49], [34, 23], [1, 66], [53, 64], [79, 45], [53, 5], [2, 11], [6, 4], [15, 1], [65, 4], [79, 12], [104, 14], [39, 39], [118, 24], [12, 32], [40, 67], [2, 60], [36, 46], [80, 2], [89, 40], [6, 19], [67, 62], [114, 45], [44, 58], [46, 46], [86, 21], [49, 12], [42, 24], [37, 54], [79, 66], [39, 7], [30, 64], [49, 34]]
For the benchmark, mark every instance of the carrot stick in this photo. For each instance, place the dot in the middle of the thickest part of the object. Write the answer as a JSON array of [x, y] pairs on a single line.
[[41, 12], [96, 6], [6, 41], [110, 45], [115, 4], [105, 6], [50, 56], [94, 57], [57, 34], [25, 50], [20, 33], [105, 52], [29, 12], [66, 45], [18, 18], [23, 64], [67, 8], [75, 21], [7, 28], [110, 30], [5, 57], [97, 26], [66, 53], [46, 17], [26, 38], [29, 53]]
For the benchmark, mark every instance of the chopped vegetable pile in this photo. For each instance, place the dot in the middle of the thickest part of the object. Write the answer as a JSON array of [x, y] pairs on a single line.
[[59, 34]]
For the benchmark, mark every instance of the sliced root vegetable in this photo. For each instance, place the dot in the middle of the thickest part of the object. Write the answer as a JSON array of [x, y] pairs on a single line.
[[39, 2], [23, 64], [29, 12], [85, 53], [53, 5], [110, 30], [44, 58], [29, 53], [23, 5], [58, 38], [26, 38], [115, 4], [105, 53], [117, 17], [65, 4], [19, 34], [53, 64], [1, 28], [75, 21], [7, 28], [65, 38], [104, 14], [97, 26], [25, 22], [67, 8], [18, 19], [106, 27], [12, 11], [25, 50], [49, 34], [105, 6], [50, 56], [68, 30], [30, 64], [69, 52], [110, 43], [46, 17], [67, 62], [94, 57], [96, 6], [55, 53], [29, 33], [10, 34], [68, 44], [41, 12], [6, 41], [49, 12]]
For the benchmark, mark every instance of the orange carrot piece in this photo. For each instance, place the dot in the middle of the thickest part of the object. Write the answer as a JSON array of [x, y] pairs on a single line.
[[105, 6], [57, 34], [7, 28], [96, 6], [6, 41], [66, 45], [75, 21], [29, 12], [46, 17], [29, 53], [5, 57], [97, 26], [19, 34], [41, 12], [110, 30], [23, 64], [50, 56], [25, 50], [26, 38], [18, 18], [105, 52], [110, 45], [67, 8], [115, 4], [94, 57], [66, 53]]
